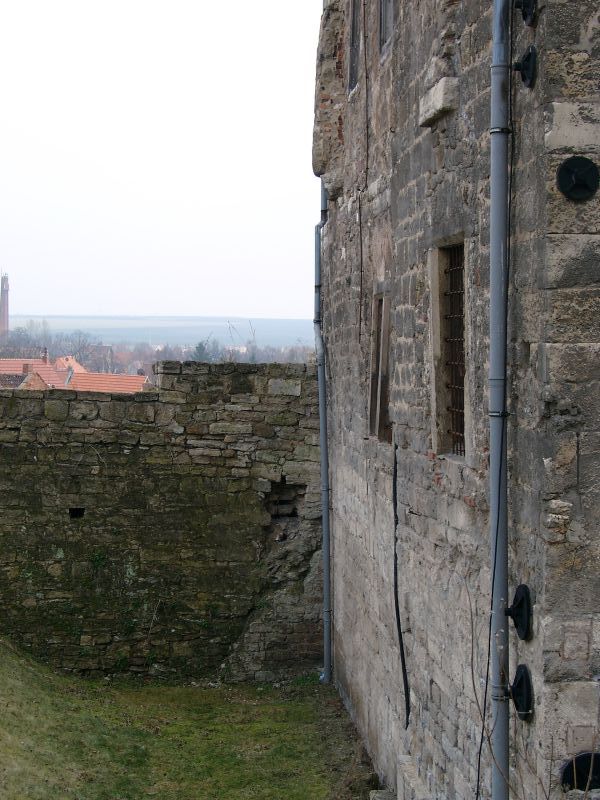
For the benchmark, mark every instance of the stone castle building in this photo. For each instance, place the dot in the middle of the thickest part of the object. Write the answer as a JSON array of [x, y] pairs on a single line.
[[402, 145]]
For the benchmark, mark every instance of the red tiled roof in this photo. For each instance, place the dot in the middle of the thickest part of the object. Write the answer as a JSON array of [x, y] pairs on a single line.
[[15, 366], [26, 366], [64, 362], [103, 382], [32, 381], [56, 376], [52, 377]]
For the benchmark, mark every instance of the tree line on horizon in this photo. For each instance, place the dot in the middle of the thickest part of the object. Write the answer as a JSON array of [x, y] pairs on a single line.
[[36, 338]]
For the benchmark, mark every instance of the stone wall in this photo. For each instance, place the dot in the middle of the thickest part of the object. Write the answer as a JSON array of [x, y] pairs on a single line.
[[405, 157], [175, 531]]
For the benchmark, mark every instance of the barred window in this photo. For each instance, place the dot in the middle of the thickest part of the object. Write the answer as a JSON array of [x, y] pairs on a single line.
[[354, 45], [454, 349], [386, 22]]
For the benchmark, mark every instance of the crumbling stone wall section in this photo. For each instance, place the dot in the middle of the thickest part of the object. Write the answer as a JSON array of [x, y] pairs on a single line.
[[410, 176], [175, 531], [328, 135]]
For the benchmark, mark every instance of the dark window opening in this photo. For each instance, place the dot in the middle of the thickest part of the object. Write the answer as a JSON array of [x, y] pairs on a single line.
[[379, 401], [283, 503], [354, 45], [454, 340], [386, 22], [76, 513], [582, 772]]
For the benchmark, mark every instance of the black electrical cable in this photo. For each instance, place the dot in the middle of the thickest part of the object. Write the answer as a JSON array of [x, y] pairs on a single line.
[[489, 643], [360, 295], [396, 603], [504, 410], [366, 68], [366, 175]]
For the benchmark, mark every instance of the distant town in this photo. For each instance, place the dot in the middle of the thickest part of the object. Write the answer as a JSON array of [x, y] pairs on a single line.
[[116, 354]]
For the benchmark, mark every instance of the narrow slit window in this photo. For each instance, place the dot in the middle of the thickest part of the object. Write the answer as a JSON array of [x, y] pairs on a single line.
[[354, 45], [379, 420], [454, 340], [386, 22]]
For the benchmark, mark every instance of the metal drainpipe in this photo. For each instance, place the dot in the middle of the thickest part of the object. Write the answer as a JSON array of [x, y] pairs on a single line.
[[320, 352], [499, 222]]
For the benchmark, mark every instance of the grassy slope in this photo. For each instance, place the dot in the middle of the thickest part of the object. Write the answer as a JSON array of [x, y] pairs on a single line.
[[64, 738]]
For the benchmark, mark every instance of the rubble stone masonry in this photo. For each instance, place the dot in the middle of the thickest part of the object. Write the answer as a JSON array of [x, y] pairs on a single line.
[[405, 158], [175, 531]]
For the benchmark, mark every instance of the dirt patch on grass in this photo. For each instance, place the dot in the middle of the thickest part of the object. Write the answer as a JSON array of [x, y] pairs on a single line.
[[63, 738]]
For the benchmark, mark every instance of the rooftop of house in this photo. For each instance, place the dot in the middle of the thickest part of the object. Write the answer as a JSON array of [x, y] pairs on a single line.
[[32, 381], [14, 367], [104, 382], [65, 372], [10, 381], [66, 362]]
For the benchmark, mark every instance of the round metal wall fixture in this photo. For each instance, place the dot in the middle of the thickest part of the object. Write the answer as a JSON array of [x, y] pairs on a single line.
[[582, 772], [578, 178], [521, 693], [521, 612], [527, 66]]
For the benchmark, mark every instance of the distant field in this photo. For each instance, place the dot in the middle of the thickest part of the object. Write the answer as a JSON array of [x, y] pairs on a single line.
[[182, 330]]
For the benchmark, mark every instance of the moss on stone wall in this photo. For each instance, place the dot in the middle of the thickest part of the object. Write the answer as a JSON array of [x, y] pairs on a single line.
[[137, 533]]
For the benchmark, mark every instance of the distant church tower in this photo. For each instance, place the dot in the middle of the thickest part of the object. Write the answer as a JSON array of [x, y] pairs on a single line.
[[3, 305]]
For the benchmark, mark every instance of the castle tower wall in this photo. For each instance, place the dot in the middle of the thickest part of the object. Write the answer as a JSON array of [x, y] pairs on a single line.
[[401, 143]]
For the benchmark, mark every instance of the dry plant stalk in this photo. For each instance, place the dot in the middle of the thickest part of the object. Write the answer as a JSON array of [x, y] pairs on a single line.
[[521, 753]]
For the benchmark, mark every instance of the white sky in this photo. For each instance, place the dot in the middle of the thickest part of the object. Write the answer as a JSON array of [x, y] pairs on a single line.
[[155, 156]]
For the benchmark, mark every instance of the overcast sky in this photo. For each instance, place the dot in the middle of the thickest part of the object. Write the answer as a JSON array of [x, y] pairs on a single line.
[[155, 156]]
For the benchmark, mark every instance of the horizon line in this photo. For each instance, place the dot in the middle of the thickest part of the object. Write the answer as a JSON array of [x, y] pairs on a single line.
[[157, 316]]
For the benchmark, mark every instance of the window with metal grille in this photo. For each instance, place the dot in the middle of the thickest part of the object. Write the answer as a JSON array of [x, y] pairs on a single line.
[[354, 45], [386, 22], [379, 419], [454, 350]]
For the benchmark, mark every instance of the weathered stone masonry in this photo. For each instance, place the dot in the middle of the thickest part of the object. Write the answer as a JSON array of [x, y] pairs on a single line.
[[405, 158], [169, 531]]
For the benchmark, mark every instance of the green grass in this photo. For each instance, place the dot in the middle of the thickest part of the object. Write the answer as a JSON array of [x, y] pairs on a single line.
[[63, 738]]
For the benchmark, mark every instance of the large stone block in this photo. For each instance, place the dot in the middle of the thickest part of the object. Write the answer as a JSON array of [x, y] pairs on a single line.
[[282, 386], [56, 410], [233, 428], [439, 100]]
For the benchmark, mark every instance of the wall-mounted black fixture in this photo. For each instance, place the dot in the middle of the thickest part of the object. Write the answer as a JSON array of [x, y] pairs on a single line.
[[528, 9], [582, 772], [521, 693], [578, 178], [521, 612], [76, 513], [527, 66]]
